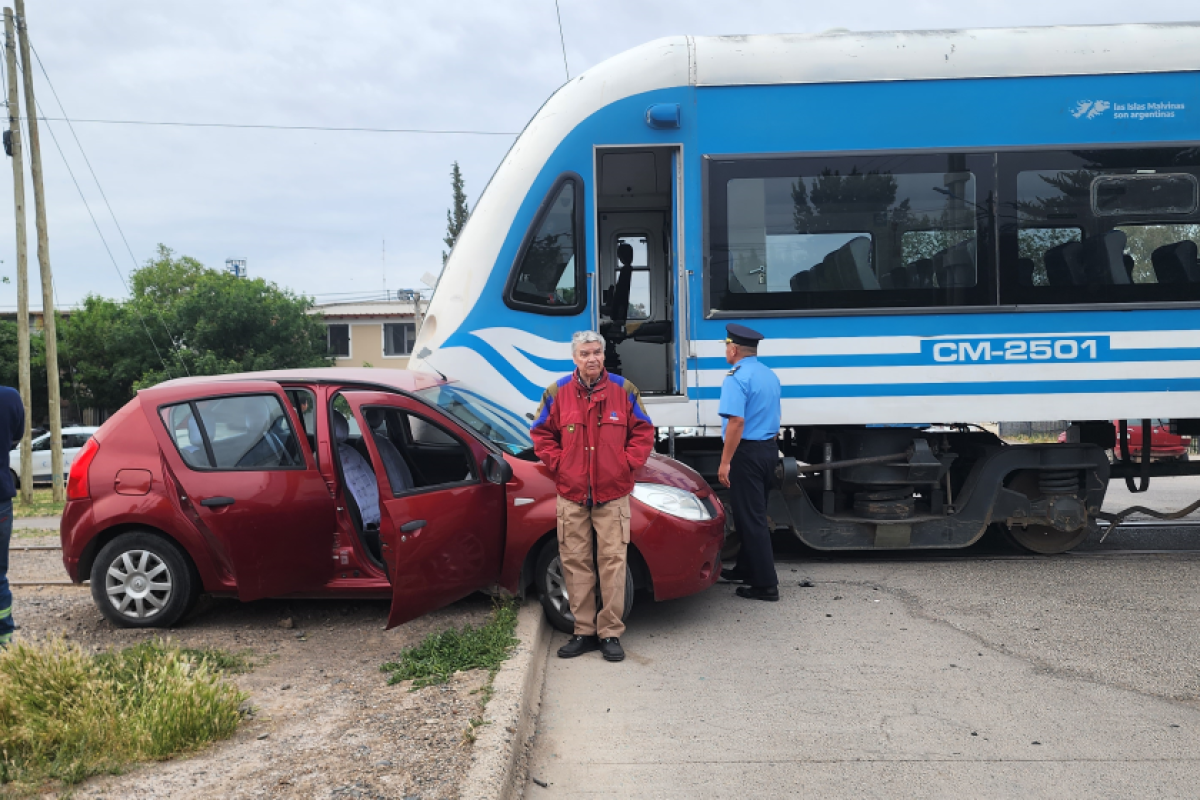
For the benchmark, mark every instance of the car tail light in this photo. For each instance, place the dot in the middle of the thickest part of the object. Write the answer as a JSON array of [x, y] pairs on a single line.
[[78, 487]]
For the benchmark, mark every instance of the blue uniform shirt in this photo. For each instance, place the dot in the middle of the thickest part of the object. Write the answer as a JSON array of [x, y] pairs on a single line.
[[751, 391]]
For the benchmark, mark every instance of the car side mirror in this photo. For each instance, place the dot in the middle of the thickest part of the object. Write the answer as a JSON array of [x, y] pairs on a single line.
[[497, 470]]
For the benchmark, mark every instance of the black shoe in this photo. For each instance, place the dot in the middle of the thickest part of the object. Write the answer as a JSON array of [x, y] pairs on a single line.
[[611, 649], [732, 575], [768, 593], [578, 646]]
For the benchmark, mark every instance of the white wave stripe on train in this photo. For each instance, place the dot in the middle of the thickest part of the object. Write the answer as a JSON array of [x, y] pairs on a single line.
[[972, 373], [471, 370], [510, 342]]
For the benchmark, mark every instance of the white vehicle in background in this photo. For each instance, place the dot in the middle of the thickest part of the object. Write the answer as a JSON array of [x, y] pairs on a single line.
[[73, 439]]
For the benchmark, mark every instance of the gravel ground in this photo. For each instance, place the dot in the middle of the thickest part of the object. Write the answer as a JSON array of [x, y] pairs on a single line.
[[323, 721]]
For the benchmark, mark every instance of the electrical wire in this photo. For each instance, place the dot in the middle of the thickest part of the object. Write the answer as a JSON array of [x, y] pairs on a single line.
[[437, 131], [120, 230], [562, 40], [104, 241]]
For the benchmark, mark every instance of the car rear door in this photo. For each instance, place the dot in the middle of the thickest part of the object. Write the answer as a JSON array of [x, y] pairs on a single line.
[[247, 482], [442, 523]]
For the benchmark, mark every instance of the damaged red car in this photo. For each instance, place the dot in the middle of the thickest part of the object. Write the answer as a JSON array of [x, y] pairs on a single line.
[[345, 483]]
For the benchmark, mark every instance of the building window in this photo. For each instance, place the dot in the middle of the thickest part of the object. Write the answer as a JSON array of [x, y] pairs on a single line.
[[398, 338], [339, 341]]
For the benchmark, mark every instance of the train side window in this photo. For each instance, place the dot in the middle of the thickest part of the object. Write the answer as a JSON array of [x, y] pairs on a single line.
[[846, 232], [1100, 226], [548, 273]]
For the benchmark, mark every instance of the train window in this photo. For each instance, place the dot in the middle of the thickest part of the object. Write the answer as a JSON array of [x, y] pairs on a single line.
[[843, 232], [1100, 226], [1142, 194], [548, 274]]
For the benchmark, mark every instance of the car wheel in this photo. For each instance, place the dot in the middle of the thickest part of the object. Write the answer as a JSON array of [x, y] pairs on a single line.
[[552, 589], [142, 580]]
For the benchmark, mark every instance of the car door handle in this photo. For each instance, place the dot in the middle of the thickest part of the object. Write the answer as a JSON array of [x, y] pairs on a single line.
[[214, 502], [409, 527]]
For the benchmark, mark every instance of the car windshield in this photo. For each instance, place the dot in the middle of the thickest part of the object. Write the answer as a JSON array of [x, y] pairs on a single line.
[[502, 427]]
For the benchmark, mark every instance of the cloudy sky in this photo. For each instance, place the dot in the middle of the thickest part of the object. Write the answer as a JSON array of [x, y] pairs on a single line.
[[311, 210]]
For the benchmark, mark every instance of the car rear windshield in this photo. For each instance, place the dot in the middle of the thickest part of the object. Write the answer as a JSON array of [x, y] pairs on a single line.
[[500, 426]]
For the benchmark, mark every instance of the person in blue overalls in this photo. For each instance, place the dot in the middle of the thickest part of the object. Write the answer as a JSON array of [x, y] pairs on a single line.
[[12, 428], [750, 415]]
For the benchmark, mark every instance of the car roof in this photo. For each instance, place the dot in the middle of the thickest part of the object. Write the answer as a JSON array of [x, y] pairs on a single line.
[[72, 429], [396, 379]]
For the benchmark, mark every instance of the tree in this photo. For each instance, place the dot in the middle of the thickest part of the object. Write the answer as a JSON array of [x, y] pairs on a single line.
[[184, 318], [456, 215], [9, 368]]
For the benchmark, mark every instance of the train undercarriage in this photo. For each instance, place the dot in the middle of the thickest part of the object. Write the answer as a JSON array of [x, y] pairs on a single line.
[[867, 488]]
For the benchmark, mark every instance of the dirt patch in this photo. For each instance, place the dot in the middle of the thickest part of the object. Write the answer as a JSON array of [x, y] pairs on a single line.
[[324, 724]]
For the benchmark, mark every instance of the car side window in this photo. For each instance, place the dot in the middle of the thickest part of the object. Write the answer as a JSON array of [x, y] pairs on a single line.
[[75, 440], [418, 455], [247, 432], [42, 443]]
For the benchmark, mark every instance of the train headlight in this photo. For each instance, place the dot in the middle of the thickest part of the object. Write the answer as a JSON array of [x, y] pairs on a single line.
[[670, 500]]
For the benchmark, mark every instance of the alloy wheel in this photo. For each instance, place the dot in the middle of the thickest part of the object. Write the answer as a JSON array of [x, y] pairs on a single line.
[[138, 583]]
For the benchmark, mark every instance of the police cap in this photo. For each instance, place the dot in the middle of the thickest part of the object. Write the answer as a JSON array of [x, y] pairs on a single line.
[[740, 334]]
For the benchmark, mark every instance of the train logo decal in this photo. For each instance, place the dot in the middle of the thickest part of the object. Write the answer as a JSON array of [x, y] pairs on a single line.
[[1090, 108]]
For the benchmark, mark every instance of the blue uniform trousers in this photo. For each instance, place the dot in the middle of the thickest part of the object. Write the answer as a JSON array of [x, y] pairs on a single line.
[[751, 471], [6, 523]]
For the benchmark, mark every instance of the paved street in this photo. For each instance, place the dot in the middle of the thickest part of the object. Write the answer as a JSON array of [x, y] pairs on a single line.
[[1072, 676]]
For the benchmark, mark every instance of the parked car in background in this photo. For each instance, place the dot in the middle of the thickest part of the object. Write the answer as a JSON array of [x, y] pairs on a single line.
[[224, 485], [73, 439], [1164, 445]]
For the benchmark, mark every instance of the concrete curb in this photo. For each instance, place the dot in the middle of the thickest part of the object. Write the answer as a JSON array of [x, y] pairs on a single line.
[[502, 746]]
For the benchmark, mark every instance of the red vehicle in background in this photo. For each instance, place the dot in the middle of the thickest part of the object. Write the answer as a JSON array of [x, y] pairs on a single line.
[[267, 484], [1164, 445]]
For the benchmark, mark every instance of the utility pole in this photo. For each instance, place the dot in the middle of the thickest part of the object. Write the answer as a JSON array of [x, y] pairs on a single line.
[[49, 325], [14, 132]]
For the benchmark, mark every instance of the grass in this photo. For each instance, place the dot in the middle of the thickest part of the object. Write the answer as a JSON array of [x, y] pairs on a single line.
[[442, 654], [66, 715], [43, 505]]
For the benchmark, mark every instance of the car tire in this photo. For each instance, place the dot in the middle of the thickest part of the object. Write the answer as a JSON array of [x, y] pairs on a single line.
[[552, 589], [143, 580]]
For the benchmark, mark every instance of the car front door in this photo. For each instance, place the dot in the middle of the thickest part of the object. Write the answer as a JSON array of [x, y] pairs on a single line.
[[247, 479], [442, 523]]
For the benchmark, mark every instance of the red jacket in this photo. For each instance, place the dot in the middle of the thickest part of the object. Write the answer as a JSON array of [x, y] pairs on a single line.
[[592, 440]]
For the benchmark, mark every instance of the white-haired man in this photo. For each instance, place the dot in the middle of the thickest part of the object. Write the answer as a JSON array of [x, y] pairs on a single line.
[[593, 433]]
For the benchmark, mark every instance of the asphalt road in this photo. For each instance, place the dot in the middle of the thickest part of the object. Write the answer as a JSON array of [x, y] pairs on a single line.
[[977, 673], [983, 676]]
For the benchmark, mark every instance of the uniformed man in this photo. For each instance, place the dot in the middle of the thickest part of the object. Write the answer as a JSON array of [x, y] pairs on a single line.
[[750, 415]]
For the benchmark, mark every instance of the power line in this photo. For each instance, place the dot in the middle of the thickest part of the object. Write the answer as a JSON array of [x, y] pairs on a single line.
[[104, 241], [120, 230], [437, 131], [562, 40]]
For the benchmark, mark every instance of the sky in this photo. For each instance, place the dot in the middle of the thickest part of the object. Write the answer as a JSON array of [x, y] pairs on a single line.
[[339, 215]]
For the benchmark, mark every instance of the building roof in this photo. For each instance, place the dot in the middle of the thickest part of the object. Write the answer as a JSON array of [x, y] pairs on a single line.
[[368, 310]]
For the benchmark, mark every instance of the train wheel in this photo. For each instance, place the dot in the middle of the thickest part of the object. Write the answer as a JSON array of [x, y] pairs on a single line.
[[1040, 539]]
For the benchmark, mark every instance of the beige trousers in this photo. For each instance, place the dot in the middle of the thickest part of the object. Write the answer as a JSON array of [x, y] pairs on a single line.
[[575, 524]]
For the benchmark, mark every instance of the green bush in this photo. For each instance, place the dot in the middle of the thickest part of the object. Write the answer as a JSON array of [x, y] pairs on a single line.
[[65, 715], [440, 655]]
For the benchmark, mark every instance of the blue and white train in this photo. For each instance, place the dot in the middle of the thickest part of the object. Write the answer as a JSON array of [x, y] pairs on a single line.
[[928, 227]]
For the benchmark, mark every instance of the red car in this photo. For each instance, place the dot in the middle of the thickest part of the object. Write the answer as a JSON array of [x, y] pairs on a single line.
[[1163, 443], [345, 483]]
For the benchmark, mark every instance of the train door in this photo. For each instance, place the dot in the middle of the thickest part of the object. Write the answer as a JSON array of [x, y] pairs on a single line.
[[638, 271]]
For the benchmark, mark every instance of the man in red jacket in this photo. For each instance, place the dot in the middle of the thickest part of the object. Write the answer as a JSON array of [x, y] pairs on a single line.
[[593, 433]]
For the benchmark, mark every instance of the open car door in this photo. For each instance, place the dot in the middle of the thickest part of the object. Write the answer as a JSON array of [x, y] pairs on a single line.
[[441, 502], [248, 481]]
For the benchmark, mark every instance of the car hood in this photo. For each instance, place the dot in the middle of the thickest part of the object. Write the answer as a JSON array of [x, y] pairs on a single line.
[[668, 471]]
